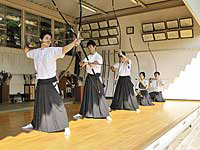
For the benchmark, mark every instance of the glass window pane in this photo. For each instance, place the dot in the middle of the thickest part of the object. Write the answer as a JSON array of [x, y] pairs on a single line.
[[32, 29], [2, 16], [45, 24], [32, 24], [13, 21], [3, 37], [59, 36], [62, 35], [2, 26], [69, 37]]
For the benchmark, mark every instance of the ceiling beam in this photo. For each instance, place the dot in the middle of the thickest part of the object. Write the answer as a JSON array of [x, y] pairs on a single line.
[[139, 2], [133, 10], [142, 4], [92, 7], [37, 10]]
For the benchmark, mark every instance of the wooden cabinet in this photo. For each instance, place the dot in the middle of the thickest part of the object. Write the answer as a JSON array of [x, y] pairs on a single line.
[[4, 93], [29, 89], [78, 93]]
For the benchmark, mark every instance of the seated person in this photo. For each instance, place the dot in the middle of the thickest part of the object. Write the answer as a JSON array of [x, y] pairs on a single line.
[[141, 89], [155, 88]]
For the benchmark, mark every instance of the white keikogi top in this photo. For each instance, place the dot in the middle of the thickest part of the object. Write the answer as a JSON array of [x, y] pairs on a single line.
[[94, 57], [145, 82], [156, 87], [124, 68], [45, 61]]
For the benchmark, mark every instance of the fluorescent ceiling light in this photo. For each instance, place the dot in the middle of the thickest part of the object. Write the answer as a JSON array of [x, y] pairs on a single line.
[[88, 8], [134, 1], [139, 2]]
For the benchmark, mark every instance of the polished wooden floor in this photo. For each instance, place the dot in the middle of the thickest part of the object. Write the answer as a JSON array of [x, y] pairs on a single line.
[[128, 130]]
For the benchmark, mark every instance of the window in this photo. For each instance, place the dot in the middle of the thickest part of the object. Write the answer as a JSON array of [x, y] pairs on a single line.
[[10, 27], [63, 35], [14, 24], [32, 29], [69, 35], [34, 25], [2, 26], [45, 25], [59, 32]]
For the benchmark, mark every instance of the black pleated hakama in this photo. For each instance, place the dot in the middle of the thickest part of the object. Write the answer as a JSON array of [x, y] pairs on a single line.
[[124, 97], [157, 96], [94, 103], [49, 111], [144, 98]]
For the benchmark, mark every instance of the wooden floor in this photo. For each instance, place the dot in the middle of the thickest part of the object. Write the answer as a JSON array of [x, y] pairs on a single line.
[[127, 131]]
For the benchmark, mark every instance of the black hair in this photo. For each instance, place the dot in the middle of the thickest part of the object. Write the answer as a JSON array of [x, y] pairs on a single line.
[[123, 52], [91, 42], [156, 73], [143, 73], [43, 33]]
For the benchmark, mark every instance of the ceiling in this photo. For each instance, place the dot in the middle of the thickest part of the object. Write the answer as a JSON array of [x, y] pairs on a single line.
[[71, 7]]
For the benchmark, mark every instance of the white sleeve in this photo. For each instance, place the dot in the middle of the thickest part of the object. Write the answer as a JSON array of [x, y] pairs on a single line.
[[116, 65], [137, 85], [85, 60], [129, 61], [154, 84], [30, 54], [58, 52], [146, 83], [99, 59]]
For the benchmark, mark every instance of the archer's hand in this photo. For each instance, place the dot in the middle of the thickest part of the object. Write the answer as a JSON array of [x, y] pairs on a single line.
[[91, 64], [77, 42], [113, 68], [96, 63], [120, 53], [30, 45], [141, 81], [81, 63]]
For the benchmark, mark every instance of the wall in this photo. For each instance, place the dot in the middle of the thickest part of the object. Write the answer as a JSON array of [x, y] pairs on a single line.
[[172, 56], [14, 61], [194, 7]]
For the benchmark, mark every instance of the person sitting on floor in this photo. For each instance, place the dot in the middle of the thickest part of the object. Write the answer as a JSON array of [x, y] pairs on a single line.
[[155, 88], [141, 89]]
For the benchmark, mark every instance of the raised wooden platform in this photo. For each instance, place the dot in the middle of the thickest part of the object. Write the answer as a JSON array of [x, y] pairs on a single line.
[[127, 131]]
